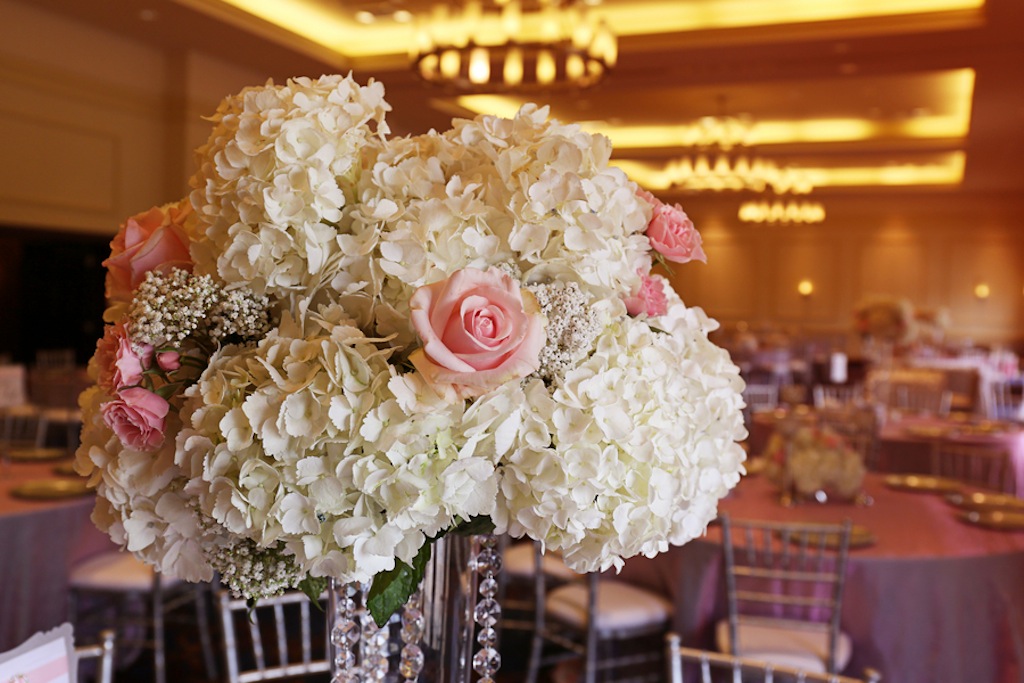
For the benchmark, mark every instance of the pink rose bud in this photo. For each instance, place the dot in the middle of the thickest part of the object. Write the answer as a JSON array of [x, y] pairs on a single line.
[[650, 298], [168, 361], [671, 232], [137, 418], [479, 330]]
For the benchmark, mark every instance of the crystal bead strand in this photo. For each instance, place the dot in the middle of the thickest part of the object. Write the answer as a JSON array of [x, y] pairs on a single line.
[[344, 632], [412, 659], [487, 612], [373, 651]]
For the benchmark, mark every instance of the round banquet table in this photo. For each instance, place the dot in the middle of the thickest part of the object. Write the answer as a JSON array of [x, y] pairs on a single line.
[[40, 540], [933, 600], [905, 445]]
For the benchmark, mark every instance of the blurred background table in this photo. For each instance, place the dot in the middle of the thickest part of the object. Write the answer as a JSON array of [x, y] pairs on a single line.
[[933, 600], [905, 445], [39, 541]]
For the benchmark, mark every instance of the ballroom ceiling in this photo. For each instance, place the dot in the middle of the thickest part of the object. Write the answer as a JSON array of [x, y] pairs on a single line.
[[890, 96]]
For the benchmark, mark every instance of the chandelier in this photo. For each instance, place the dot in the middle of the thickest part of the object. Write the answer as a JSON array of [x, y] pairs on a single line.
[[722, 160], [780, 211], [502, 45]]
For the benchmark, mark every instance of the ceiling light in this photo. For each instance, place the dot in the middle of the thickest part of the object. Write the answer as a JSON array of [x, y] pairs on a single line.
[[488, 46], [780, 211]]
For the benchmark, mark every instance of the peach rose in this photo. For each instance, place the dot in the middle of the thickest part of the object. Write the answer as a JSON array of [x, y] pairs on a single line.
[[120, 363], [137, 417], [153, 240], [671, 232], [649, 299], [479, 330]]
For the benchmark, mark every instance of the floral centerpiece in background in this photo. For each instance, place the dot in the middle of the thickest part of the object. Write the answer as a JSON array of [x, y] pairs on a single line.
[[806, 461], [885, 319], [343, 345]]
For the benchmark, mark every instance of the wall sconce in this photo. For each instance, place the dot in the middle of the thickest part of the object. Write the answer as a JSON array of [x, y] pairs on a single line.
[[805, 288], [982, 290]]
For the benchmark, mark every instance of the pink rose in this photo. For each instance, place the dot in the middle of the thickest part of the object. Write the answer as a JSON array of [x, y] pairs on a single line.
[[479, 330], [120, 363], [671, 232], [137, 417], [168, 361], [154, 240], [650, 298]]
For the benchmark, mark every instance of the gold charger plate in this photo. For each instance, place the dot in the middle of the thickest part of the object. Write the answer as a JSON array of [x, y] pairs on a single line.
[[65, 469], [927, 431], [1000, 520], [32, 454], [860, 537], [979, 500], [922, 483], [51, 489]]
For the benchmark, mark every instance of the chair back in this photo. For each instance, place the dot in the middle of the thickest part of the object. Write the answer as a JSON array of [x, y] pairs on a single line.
[[984, 465], [922, 398], [786, 574], [263, 651], [712, 666], [1002, 403], [103, 653], [836, 395]]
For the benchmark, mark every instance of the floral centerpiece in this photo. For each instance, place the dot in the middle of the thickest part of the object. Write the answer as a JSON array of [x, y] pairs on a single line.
[[885, 319], [809, 460], [342, 345]]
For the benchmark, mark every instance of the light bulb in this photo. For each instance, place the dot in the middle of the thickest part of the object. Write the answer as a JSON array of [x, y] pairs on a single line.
[[479, 65]]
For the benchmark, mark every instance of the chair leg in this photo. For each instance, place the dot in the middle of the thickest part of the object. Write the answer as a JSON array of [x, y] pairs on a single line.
[[159, 658], [205, 639]]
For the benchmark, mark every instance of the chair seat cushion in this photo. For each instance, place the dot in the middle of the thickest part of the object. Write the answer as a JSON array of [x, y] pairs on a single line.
[[798, 647], [518, 561], [620, 606], [115, 571]]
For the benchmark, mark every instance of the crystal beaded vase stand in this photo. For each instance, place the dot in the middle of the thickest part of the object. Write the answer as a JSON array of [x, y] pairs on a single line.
[[445, 633]]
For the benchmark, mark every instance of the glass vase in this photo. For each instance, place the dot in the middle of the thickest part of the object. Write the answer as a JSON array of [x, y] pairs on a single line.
[[445, 633]]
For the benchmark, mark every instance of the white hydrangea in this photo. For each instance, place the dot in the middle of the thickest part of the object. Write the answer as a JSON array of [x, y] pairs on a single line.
[[299, 440], [140, 500], [275, 175], [642, 445]]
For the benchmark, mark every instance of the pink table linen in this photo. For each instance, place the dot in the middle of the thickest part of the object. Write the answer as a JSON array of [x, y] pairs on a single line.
[[40, 540], [934, 600], [905, 445]]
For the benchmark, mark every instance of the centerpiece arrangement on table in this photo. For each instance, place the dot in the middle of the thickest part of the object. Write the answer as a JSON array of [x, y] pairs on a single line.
[[813, 462], [342, 346]]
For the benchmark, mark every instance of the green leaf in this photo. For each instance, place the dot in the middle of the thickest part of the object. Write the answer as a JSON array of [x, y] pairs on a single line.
[[390, 590], [314, 587]]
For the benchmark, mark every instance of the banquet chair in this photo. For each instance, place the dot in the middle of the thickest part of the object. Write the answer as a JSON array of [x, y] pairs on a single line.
[[714, 666], [117, 580], [829, 395], [22, 426], [613, 629], [103, 653], [922, 398], [758, 398], [784, 586], [1003, 403], [516, 581], [261, 650], [983, 465]]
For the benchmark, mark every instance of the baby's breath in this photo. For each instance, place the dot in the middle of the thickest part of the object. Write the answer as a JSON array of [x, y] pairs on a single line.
[[253, 572], [168, 308], [571, 330]]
